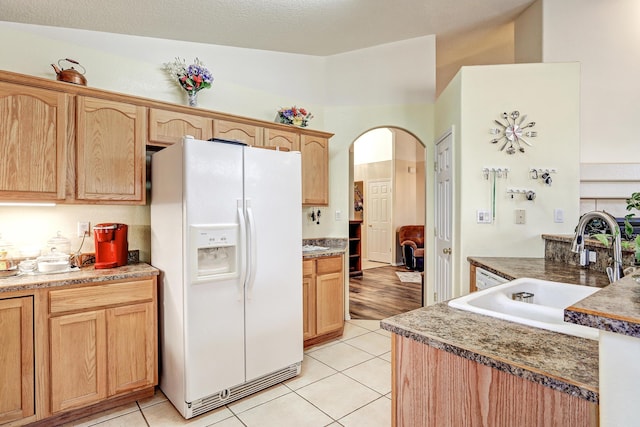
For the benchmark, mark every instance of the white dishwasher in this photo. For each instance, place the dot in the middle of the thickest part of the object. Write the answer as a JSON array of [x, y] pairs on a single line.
[[486, 279]]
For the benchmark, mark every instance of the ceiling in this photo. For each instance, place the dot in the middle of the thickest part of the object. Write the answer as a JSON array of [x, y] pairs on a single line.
[[313, 27]]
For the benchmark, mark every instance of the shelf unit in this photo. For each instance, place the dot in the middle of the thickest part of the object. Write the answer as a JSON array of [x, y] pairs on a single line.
[[355, 248]]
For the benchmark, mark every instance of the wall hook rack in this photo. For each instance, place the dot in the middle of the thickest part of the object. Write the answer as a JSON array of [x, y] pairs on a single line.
[[536, 173], [499, 172], [526, 192]]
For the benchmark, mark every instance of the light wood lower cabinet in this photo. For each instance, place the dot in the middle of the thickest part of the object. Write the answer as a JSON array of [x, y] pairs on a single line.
[[432, 387], [323, 299], [17, 386], [103, 342]]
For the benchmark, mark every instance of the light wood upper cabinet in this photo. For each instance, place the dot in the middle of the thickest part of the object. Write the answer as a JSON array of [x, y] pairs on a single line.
[[168, 127], [33, 141], [315, 170], [251, 134], [281, 139], [110, 151], [16, 354]]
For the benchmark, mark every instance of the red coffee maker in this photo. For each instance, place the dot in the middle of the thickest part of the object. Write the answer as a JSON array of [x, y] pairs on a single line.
[[112, 248]]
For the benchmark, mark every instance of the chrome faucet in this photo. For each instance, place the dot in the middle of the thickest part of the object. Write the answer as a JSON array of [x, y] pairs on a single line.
[[577, 245]]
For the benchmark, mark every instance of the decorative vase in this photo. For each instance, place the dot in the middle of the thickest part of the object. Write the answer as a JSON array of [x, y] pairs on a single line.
[[193, 99]]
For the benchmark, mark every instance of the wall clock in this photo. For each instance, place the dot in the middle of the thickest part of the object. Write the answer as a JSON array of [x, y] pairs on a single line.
[[512, 129]]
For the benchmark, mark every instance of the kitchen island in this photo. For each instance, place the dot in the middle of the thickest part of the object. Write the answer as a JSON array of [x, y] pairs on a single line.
[[452, 367], [76, 343], [615, 311]]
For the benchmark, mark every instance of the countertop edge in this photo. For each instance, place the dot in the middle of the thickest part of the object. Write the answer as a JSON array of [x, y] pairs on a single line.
[[615, 308], [537, 377], [85, 275]]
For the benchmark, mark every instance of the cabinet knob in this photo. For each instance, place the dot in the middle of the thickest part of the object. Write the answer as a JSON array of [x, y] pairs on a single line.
[[446, 251]]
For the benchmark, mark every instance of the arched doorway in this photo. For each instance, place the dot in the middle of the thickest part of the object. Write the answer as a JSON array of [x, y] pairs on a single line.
[[387, 174]]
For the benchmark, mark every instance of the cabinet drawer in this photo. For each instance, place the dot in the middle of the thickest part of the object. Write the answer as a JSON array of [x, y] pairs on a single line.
[[329, 265], [91, 297], [307, 267]]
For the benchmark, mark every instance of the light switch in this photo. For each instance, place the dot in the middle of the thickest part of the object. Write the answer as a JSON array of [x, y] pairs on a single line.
[[521, 216], [338, 215], [483, 216], [558, 215]]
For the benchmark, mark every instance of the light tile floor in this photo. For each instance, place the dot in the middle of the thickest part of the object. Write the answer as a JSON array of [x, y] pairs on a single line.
[[346, 382]]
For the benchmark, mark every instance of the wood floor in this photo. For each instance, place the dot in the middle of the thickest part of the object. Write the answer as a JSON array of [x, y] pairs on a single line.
[[379, 294]]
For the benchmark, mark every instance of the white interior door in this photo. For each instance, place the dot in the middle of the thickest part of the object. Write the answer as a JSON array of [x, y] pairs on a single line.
[[379, 236], [443, 217]]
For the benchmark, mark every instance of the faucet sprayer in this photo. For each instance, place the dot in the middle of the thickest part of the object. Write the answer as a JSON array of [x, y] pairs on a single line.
[[577, 245]]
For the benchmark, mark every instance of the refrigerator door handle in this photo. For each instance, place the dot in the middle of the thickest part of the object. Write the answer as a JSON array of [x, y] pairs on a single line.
[[243, 255], [251, 275]]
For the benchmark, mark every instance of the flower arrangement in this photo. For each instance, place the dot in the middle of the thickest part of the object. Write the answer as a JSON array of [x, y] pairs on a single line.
[[192, 78], [294, 116]]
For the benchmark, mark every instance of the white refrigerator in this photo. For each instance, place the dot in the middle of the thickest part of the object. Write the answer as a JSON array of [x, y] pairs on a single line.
[[226, 234]]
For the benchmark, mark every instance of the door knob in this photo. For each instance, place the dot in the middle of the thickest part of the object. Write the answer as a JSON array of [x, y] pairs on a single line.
[[446, 251]]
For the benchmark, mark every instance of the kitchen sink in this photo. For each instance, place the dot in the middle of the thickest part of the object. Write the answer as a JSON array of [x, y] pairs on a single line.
[[312, 248], [538, 303]]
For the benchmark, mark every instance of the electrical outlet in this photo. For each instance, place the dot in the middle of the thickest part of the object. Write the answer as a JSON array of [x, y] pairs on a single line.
[[83, 228], [521, 217]]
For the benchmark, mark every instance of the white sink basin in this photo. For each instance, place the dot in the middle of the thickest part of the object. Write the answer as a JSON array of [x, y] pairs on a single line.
[[546, 311], [312, 248]]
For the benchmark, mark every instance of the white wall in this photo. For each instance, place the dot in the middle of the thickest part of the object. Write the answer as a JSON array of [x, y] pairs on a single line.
[[549, 94], [348, 94], [605, 38]]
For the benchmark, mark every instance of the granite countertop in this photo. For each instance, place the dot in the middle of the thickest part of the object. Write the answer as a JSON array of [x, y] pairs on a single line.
[[83, 275], [540, 268], [562, 362], [614, 309], [337, 246]]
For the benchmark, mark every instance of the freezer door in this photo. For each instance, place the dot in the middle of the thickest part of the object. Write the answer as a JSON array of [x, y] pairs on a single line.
[[273, 305], [214, 303]]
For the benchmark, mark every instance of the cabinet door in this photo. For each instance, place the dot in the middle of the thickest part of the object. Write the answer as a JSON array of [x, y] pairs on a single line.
[[16, 359], [315, 170], [168, 127], [78, 360], [281, 139], [308, 307], [329, 303], [33, 141], [111, 157], [131, 347], [250, 134]]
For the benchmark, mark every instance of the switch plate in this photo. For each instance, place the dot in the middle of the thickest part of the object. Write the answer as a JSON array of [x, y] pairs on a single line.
[[83, 228], [483, 216], [558, 215], [338, 215], [521, 217]]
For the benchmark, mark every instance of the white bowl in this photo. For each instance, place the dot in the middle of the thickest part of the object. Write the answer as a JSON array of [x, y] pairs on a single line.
[[52, 266]]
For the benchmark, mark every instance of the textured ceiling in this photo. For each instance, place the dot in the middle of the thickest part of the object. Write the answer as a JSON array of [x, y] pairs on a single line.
[[314, 27]]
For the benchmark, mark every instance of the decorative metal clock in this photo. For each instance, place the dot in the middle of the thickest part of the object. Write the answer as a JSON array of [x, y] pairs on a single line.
[[512, 131]]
